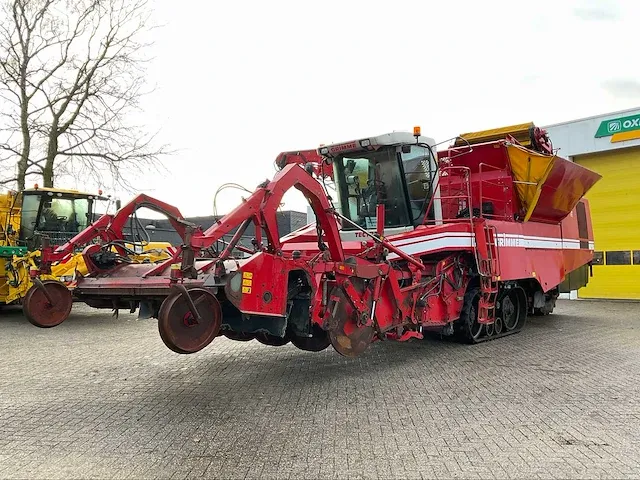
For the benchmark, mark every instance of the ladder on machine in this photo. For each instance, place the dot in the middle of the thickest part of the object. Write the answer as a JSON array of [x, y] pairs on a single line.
[[489, 269]]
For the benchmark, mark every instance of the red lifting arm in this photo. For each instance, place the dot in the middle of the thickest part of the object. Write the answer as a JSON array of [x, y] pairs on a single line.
[[110, 227], [261, 207], [306, 158], [144, 201], [263, 204]]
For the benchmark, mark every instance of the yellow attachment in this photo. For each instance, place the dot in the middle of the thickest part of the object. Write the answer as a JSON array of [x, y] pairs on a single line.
[[564, 182], [520, 132], [530, 170], [69, 268], [9, 218], [416, 131], [15, 280]]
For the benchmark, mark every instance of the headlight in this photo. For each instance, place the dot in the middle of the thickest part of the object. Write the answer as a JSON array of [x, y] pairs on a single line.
[[235, 282], [233, 287]]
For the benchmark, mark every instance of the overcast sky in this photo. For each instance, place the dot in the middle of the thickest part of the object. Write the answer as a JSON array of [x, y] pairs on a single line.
[[239, 82]]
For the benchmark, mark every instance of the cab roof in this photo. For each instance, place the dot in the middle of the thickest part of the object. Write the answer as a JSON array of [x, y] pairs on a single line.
[[368, 143], [64, 191]]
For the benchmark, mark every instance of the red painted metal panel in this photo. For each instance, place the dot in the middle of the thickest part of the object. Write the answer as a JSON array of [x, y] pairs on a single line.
[[566, 184]]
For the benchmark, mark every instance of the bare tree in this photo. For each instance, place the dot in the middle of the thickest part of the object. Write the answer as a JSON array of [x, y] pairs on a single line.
[[71, 76]]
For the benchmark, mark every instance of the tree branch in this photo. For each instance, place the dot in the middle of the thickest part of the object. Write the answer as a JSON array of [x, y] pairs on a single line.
[[72, 74]]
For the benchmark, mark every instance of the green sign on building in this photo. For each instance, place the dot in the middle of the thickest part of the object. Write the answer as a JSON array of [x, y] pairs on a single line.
[[618, 125]]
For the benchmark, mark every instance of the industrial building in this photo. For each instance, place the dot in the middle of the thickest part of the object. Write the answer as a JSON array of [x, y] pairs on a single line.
[[610, 145]]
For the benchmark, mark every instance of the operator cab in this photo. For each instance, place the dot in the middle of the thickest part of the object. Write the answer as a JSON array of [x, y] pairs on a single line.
[[397, 170], [57, 214]]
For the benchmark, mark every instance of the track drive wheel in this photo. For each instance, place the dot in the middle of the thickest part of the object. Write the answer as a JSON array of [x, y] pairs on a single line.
[[511, 310], [50, 308], [347, 337], [180, 331], [472, 331], [316, 343]]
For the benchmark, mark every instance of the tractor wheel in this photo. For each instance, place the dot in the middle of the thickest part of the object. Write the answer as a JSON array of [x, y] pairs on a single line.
[[44, 313], [180, 330]]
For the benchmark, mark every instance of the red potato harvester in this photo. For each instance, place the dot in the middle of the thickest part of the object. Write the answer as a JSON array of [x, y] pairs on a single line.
[[465, 242]]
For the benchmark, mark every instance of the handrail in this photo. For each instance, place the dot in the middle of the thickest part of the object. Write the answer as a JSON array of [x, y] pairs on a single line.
[[463, 175]]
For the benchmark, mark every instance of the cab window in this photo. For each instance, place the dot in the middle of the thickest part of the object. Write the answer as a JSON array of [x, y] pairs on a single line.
[[364, 179], [419, 173]]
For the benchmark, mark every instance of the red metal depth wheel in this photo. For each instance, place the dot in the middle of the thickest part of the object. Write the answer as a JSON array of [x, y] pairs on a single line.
[[47, 309], [347, 337], [161, 314], [179, 329]]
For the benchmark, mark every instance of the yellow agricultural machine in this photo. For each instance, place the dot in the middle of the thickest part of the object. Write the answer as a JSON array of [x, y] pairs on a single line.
[[37, 216]]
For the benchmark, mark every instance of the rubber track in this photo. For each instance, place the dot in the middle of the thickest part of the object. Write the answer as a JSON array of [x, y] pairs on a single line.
[[461, 337], [462, 333]]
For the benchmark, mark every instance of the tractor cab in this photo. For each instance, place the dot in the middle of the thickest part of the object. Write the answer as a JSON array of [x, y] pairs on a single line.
[[57, 214], [397, 170]]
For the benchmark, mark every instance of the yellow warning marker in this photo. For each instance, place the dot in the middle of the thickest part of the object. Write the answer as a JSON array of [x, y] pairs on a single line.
[[247, 282]]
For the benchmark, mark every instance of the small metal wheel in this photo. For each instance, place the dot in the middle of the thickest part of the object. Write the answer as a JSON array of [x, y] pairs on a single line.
[[272, 340], [498, 325], [46, 309], [161, 314], [180, 330], [490, 329], [347, 337]]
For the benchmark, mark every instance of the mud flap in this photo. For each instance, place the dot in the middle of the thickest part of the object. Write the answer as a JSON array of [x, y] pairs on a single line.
[[256, 324], [145, 310]]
